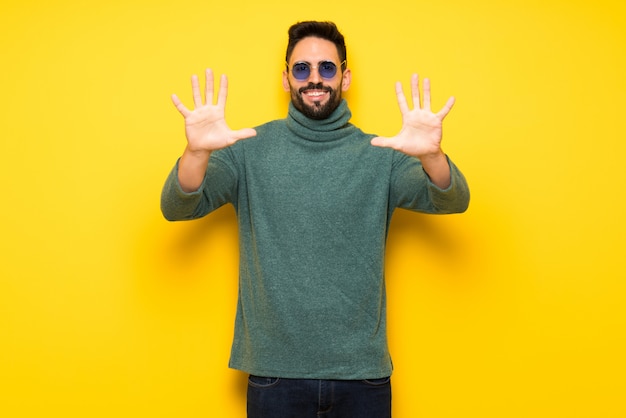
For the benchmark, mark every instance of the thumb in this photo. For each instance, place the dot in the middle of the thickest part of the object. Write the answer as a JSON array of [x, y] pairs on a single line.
[[381, 141], [244, 133]]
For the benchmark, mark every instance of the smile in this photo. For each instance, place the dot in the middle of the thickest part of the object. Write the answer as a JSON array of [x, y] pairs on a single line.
[[315, 93]]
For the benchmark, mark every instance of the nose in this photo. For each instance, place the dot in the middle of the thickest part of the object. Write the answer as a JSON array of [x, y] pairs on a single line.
[[315, 76]]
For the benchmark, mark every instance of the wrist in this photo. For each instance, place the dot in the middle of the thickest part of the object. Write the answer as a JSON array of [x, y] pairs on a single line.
[[434, 157], [437, 168], [196, 153], [191, 169]]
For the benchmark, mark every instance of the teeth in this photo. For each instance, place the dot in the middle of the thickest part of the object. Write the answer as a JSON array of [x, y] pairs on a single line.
[[315, 93]]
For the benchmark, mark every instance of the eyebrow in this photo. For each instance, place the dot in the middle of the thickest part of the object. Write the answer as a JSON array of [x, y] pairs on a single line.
[[318, 63]]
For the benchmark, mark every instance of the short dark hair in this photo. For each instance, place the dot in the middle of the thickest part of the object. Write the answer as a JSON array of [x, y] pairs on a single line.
[[323, 30]]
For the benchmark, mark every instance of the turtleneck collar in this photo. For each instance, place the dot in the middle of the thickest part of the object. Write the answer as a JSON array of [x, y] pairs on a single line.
[[334, 127]]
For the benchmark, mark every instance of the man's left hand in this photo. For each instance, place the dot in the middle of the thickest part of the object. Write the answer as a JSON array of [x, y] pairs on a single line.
[[421, 131]]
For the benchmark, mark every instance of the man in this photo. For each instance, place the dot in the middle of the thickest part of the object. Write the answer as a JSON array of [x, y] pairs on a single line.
[[314, 197]]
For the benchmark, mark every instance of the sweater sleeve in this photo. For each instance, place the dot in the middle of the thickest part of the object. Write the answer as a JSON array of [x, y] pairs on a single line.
[[218, 188], [412, 189]]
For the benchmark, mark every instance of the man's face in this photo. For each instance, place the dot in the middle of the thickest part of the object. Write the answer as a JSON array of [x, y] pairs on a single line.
[[316, 97]]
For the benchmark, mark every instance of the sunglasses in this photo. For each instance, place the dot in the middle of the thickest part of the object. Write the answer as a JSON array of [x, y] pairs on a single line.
[[302, 70]]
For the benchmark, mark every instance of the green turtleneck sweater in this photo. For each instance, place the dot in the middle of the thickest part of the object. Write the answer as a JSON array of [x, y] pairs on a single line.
[[314, 200]]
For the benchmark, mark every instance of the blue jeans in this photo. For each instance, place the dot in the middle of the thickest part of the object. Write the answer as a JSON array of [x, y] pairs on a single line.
[[272, 397]]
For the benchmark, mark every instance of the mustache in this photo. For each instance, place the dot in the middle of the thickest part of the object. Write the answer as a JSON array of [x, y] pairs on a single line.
[[313, 86]]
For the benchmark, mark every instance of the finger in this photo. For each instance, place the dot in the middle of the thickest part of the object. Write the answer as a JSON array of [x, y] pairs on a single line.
[[195, 91], [208, 88], [223, 92], [446, 108], [426, 94], [383, 142], [404, 107], [415, 91], [180, 106], [244, 133]]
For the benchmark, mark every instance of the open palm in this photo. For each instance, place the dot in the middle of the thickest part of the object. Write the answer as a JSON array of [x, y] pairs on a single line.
[[421, 130], [205, 125]]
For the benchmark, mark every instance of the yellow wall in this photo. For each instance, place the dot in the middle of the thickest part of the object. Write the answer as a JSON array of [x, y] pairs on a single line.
[[514, 309]]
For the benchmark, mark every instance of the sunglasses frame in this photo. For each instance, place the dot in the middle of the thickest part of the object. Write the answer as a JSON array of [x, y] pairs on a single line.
[[311, 67]]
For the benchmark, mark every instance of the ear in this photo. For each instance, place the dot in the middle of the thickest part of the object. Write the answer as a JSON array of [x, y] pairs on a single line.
[[286, 85], [346, 80]]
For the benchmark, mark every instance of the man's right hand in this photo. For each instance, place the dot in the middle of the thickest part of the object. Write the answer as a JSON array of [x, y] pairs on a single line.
[[206, 130]]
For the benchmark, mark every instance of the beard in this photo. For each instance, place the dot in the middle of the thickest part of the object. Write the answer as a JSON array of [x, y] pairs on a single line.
[[318, 110]]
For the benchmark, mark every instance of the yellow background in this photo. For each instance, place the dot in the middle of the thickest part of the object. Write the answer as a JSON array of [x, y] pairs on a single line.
[[514, 309]]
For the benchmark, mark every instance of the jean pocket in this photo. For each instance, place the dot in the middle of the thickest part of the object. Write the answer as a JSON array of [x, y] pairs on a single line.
[[262, 382], [378, 382]]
